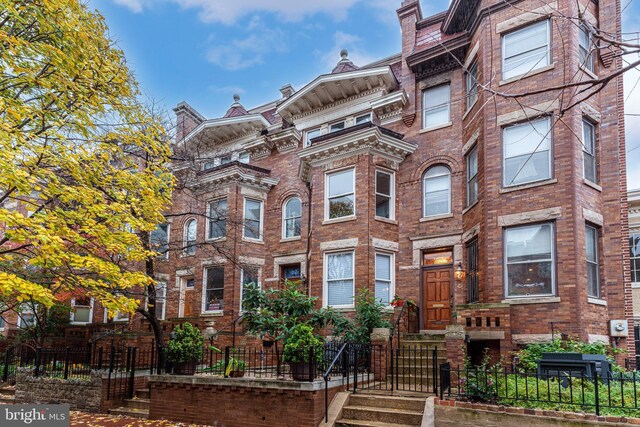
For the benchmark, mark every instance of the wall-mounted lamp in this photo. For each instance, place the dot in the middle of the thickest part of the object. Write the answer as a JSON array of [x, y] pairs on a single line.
[[459, 273]]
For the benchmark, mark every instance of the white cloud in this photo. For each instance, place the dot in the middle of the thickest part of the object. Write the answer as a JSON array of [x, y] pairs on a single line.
[[351, 42], [135, 6], [240, 53], [227, 89]]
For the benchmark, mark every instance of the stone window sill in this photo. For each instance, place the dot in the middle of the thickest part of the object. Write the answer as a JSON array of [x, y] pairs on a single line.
[[592, 185], [468, 208], [532, 300], [257, 241], [635, 285], [588, 72], [526, 75], [596, 301], [217, 313], [387, 220], [466, 113], [436, 127], [216, 239], [290, 239], [528, 185], [436, 217], [337, 220]]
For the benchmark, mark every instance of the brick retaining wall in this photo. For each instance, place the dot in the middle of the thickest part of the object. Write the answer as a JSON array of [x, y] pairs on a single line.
[[239, 402]]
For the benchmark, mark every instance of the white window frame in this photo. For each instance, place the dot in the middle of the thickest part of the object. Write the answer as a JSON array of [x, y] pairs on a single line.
[[205, 289], [635, 284], [327, 176], [471, 79], [425, 112], [244, 219], [505, 263], [536, 67], [392, 274], [338, 123], [226, 159], [244, 154], [166, 254], [208, 221], [208, 165], [187, 251], [589, 65], [258, 270], [360, 116], [585, 152], [72, 313], [161, 284], [29, 310], [596, 262], [285, 218], [549, 136], [474, 151], [424, 191], [391, 196], [307, 137], [325, 287]]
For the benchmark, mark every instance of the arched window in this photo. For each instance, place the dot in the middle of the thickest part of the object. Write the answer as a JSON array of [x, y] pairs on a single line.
[[292, 218], [190, 232], [437, 191]]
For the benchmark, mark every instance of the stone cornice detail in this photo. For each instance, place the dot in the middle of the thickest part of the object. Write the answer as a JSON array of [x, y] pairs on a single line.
[[259, 148], [337, 103], [367, 140], [390, 106], [235, 174], [287, 140]]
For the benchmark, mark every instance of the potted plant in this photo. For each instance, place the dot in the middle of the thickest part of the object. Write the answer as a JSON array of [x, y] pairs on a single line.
[[185, 349], [303, 350]]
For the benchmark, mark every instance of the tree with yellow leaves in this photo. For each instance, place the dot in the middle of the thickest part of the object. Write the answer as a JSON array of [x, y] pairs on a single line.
[[82, 164]]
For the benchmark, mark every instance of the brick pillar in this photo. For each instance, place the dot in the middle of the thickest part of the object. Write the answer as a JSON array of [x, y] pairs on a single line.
[[380, 353], [454, 337]]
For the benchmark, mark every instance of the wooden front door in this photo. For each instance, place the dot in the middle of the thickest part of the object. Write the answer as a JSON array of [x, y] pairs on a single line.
[[436, 297]]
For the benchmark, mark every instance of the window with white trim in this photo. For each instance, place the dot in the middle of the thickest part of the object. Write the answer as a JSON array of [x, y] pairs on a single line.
[[530, 260], [436, 106], [526, 49], [585, 49], [209, 165], [384, 278], [364, 118], [244, 157], [589, 150], [471, 77], [339, 279], [334, 127], [225, 159], [26, 316], [252, 219], [472, 176], [527, 152], [161, 297], [437, 191], [217, 219], [159, 240], [190, 234], [248, 275], [292, 218], [340, 194], [385, 194], [593, 266], [309, 135], [634, 249], [213, 295], [81, 310]]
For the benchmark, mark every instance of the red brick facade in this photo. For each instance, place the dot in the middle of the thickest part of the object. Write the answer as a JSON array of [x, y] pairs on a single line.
[[435, 50]]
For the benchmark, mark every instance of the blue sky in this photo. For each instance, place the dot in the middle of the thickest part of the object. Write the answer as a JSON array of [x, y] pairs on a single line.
[[204, 51]]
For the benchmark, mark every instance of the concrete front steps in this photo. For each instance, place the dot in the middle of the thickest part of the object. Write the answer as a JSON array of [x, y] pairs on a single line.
[[378, 411], [137, 407], [7, 394]]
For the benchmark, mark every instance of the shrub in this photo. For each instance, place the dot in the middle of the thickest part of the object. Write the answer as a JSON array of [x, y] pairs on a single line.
[[186, 344], [300, 343], [370, 314]]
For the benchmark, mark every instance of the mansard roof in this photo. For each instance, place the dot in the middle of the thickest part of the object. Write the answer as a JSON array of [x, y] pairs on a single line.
[[329, 88]]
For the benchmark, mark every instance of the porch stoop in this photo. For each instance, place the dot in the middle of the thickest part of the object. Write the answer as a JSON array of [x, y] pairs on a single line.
[[7, 394], [379, 411], [137, 407]]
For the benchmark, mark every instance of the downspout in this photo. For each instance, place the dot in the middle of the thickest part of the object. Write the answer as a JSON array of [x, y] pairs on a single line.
[[309, 235]]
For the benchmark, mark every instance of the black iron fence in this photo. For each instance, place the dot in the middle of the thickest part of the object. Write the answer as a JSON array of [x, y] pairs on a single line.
[[615, 394]]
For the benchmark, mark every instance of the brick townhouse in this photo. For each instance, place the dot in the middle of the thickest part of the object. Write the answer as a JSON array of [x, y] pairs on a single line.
[[634, 252], [419, 176]]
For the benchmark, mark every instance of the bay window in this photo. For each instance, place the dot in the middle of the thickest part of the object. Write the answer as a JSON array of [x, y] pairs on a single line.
[[340, 194]]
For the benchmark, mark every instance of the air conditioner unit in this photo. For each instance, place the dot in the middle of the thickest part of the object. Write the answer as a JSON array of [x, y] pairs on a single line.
[[618, 328]]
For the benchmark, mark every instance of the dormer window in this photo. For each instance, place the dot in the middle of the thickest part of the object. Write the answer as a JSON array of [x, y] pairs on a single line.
[[309, 135], [225, 159], [364, 118], [244, 157], [337, 126]]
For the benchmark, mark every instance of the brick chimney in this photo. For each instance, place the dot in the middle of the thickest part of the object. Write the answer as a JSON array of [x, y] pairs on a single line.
[[187, 119]]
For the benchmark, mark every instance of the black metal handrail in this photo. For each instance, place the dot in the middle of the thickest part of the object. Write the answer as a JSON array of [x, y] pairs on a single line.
[[396, 324], [326, 375]]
